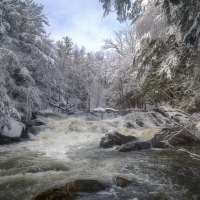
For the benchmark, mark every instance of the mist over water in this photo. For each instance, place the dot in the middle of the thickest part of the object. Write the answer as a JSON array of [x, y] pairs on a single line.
[[68, 149]]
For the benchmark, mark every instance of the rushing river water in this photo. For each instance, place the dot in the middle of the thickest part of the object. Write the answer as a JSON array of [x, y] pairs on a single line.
[[68, 149]]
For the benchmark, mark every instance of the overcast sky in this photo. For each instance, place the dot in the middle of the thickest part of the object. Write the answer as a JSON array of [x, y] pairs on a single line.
[[80, 20]]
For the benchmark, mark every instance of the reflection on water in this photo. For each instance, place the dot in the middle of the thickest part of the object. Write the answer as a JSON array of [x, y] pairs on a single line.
[[69, 149]]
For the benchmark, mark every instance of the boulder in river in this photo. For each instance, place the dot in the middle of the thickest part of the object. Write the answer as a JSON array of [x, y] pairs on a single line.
[[34, 123], [11, 134], [129, 125], [174, 136], [8, 140], [32, 126], [133, 146], [18, 131], [139, 123], [122, 182], [115, 138], [70, 190]]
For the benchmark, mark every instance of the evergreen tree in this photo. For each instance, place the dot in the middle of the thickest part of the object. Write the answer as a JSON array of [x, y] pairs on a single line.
[[28, 59]]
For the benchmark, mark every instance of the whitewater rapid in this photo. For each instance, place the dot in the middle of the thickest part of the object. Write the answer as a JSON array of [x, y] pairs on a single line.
[[68, 149]]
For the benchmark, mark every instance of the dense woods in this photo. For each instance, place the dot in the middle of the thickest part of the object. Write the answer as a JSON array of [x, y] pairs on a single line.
[[154, 59], [165, 53]]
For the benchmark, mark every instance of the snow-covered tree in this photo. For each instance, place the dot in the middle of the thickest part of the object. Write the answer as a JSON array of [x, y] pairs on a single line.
[[123, 45], [28, 57], [167, 49]]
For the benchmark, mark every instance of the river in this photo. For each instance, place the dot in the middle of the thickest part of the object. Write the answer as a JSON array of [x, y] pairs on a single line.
[[68, 149]]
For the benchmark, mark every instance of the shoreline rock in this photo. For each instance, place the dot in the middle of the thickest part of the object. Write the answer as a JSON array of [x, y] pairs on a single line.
[[173, 136], [70, 190], [19, 131], [32, 126], [8, 140], [122, 182]]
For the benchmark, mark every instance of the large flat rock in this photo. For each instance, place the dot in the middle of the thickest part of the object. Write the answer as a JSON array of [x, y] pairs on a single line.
[[70, 190]]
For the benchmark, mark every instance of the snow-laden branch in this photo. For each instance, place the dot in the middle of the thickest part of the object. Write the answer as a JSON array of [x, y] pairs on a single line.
[[192, 155], [193, 27]]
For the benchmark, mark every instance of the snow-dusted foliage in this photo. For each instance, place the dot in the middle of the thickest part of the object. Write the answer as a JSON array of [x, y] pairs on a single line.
[[83, 74], [165, 55], [27, 59]]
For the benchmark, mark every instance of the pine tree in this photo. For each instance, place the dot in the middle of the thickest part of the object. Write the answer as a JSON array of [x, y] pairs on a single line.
[[28, 57]]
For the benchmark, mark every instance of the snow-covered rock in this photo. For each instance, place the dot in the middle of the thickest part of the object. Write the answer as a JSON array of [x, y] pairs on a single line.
[[15, 131], [99, 109], [105, 110]]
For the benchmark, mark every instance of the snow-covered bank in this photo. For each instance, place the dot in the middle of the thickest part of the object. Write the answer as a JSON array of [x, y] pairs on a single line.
[[18, 131], [15, 129]]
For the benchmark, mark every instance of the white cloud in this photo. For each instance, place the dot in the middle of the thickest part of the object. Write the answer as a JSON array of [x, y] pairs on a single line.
[[81, 21]]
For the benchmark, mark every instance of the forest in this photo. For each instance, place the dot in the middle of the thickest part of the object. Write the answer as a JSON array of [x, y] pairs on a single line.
[[154, 59]]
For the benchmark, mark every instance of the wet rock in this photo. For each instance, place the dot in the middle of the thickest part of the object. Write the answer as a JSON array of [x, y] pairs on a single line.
[[33, 130], [34, 123], [139, 123], [24, 133], [158, 121], [173, 136], [8, 140], [70, 190], [161, 111], [193, 108], [176, 119], [122, 182], [115, 138], [84, 186], [129, 125], [32, 126], [137, 187], [133, 146]]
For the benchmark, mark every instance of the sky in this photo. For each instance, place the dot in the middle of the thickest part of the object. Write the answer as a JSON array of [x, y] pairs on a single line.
[[79, 20]]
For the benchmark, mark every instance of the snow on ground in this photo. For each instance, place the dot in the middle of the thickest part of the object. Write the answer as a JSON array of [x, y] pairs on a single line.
[[176, 114], [170, 109], [48, 110], [105, 109], [99, 109]]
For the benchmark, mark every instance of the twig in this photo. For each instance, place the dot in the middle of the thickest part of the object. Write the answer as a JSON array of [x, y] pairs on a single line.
[[115, 195], [63, 109]]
